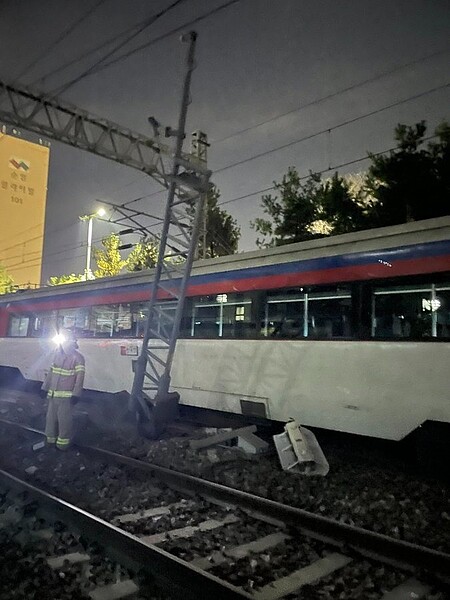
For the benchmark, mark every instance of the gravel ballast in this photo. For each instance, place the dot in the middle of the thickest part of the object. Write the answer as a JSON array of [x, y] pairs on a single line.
[[360, 489]]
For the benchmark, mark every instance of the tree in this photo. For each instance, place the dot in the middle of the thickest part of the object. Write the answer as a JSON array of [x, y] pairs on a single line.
[[63, 279], [6, 281], [289, 213], [412, 182], [109, 261], [341, 206], [143, 256], [222, 231], [309, 208]]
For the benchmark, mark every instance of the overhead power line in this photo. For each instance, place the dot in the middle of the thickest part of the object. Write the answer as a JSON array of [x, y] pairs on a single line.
[[320, 172], [93, 68], [65, 249], [174, 31], [60, 38], [302, 107], [330, 129], [37, 237], [61, 250], [114, 39], [229, 201], [14, 236], [55, 230], [242, 197], [339, 92], [35, 263]]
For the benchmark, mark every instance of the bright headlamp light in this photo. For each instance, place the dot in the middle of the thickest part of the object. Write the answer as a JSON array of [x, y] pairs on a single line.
[[59, 338]]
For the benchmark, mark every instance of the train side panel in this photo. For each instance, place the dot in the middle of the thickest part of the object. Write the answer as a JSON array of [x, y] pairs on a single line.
[[378, 389]]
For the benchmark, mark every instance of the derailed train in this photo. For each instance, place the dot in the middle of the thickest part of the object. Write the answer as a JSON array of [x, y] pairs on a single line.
[[350, 333]]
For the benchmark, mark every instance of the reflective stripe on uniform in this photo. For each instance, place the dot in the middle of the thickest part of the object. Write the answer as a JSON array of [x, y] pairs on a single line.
[[80, 369], [62, 441], [60, 394], [65, 372], [51, 440]]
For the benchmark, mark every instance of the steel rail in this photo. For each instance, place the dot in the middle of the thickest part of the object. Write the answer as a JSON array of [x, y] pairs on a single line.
[[363, 541], [171, 572]]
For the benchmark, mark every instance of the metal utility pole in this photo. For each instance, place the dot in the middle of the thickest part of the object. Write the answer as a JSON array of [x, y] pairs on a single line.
[[199, 148], [150, 396], [89, 218]]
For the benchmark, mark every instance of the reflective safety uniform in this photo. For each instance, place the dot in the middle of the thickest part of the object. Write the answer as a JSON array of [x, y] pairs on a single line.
[[64, 380]]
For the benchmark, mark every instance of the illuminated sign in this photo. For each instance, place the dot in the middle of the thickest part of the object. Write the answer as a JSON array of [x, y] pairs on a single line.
[[23, 195]]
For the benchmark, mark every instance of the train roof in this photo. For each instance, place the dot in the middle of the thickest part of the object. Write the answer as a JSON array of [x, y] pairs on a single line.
[[417, 232]]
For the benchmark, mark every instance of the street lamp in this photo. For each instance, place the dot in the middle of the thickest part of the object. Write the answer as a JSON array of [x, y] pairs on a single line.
[[101, 212]]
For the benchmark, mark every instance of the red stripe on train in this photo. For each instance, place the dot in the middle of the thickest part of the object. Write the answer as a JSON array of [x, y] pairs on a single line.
[[317, 277], [352, 273]]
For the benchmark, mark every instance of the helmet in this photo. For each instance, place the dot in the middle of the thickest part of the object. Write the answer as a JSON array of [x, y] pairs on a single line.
[[69, 335]]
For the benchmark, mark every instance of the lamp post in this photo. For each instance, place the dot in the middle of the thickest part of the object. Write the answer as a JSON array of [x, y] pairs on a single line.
[[89, 218]]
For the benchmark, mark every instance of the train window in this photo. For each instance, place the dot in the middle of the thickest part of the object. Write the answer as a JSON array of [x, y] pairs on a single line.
[[329, 315], [111, 320], [441, 312], [139, 313], [300, 313], [223, 315], [18, 326], [103, 320], [285, 317], [403, 313], [206, 321], [123, 323], [236, 320], [76, 319], [44, 324]]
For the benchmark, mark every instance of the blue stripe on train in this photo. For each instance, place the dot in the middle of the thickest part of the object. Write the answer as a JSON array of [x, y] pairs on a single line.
[[430, 249]]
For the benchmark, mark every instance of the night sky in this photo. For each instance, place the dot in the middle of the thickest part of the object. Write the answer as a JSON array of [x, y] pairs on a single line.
[[269, 73]]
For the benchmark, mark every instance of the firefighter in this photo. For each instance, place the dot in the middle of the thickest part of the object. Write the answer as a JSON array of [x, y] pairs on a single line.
[[63, 386]]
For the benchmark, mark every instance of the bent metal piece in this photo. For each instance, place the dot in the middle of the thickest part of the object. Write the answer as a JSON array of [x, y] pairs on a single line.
[[365, 542], [299, 451]]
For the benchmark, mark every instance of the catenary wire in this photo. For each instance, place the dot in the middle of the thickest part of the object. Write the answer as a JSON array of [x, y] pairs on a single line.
[[338, 92], [334, 94], [60, 38], [94, 68], [161, 37], [310, 136], [24, 231], [115, 38], [287, 145], [58, 229], [261, 123], [332, 128], [62, 250], [244, 196], [133, 31], [321, 172], [21, 266]]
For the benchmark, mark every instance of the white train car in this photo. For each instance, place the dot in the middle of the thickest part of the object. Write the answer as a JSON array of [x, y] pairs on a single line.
[[349, 333]]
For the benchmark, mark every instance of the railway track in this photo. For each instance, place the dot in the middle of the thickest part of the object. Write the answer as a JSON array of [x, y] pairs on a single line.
[[211, 536], [44, 557]]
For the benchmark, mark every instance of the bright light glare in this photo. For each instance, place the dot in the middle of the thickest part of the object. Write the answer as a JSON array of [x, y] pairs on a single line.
[[59, 339], [431, 305], [101, 212]]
